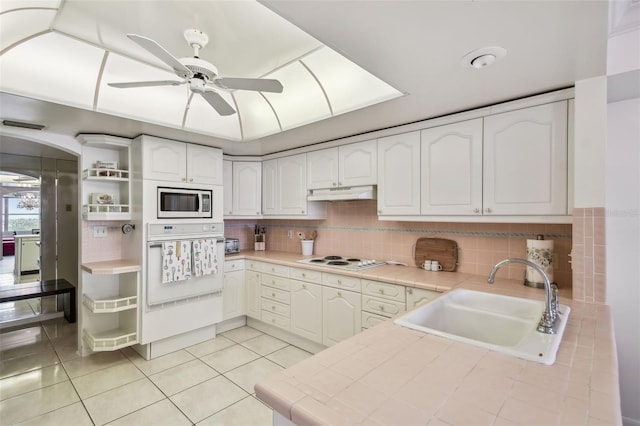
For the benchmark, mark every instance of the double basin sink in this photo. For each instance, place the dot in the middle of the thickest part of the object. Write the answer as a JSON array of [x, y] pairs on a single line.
[[501, 323]]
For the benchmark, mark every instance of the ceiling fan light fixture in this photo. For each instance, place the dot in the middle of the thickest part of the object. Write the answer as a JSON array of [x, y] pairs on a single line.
[[483, 57]]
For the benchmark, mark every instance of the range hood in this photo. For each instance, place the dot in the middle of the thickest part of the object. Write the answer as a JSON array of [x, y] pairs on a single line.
[[343, 194]]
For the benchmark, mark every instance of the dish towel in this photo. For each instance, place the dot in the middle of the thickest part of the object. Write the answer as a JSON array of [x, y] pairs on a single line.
[[205, 260], [176, 261]]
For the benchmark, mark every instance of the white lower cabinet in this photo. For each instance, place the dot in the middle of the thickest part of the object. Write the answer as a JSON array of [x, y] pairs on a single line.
[[381, 300], [341, 315], [369, 319], [276, 296], [233, 295], [306, 310], [416, 296], [252, 294]]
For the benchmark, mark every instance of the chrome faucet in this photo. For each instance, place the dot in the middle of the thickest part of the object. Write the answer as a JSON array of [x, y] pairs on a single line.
[[549, 318]]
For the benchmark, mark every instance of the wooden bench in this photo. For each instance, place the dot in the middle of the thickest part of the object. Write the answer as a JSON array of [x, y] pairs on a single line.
[[14, 292]]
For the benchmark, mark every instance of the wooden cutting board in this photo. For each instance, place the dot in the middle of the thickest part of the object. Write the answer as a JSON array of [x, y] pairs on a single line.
[[440, 249]]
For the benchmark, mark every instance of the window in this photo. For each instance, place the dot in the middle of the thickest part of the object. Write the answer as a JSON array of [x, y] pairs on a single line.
[[20, 217]]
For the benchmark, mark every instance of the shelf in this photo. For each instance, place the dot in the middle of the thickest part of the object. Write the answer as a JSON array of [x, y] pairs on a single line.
[[110, 340], [115, 304], [106, 175], [106, 212], [111, 267]]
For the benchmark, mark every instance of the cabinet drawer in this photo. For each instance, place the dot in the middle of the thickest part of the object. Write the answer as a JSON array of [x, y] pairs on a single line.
[[273, 269], [234, 265], [416, 296], [252, 265], [276, 307], [275, 282], [277, 320], [369, 319], [275, 294], [377, 305], [306, 275], [341, 281], [384, 290]]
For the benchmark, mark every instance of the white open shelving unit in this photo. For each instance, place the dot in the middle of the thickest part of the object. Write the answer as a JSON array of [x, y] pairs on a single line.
[[114, 182], [110, 319]]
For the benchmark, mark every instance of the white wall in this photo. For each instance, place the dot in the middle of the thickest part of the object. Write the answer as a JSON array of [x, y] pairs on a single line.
[[623, 246], [590, 142]]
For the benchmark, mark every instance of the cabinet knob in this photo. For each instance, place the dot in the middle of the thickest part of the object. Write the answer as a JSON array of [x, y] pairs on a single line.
[[304, 275], [476, 210], [339, 294], [184, 179], [381, 308], [273, 320], [302, 211], [381, 291], [379, 211], [487, 210], [340, 282], [304, 286], [335, 184], [273, 308], [258, 213], [190, 179], [339, 183], [409, 290], [273, 295]]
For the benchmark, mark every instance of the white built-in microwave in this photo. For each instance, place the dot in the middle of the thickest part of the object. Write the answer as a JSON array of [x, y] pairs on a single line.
[[184, 203]]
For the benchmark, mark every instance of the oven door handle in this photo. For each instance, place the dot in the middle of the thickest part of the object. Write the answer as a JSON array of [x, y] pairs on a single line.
[[153, 245]]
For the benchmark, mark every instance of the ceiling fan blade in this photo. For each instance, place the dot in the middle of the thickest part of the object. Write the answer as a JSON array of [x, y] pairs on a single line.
[[161, 53], [218, 103], [146, 84], [257, 84]]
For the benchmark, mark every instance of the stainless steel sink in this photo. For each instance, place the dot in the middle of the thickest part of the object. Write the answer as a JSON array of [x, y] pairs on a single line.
[[501, 323]]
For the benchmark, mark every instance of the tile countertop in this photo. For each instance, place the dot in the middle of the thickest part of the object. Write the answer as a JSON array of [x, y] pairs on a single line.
[[389, 374]]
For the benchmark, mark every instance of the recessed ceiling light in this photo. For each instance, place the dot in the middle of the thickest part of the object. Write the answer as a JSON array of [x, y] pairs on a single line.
[[483, 57]]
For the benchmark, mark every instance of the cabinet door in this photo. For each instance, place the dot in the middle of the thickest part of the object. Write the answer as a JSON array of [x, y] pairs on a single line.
[[233, 298], [322, 169], [164, 160], [341, 315], [270, 187], [399, 175], [359, 164], [292, 185], [227, 177], [451, 169], [29, 254], [306, 310], [252, 292], [525, 161], [204, 165], [416, 296], [247, 188]]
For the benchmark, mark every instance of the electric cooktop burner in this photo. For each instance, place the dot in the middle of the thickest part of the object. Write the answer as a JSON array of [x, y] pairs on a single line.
[[340, 262]]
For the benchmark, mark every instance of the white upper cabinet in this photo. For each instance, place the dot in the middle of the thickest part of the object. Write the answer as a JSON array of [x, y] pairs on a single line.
[[399, 175], [242, 189], [525, 161], [175, 161], [227, 179], [284, 189], [348, 165], [451, 172], [247, 189]]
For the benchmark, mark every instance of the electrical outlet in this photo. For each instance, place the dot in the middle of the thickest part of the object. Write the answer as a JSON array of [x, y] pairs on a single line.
[[290, 233], [99, 231]]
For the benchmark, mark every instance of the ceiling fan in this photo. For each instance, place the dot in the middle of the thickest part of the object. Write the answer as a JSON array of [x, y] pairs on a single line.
[[201, 75]]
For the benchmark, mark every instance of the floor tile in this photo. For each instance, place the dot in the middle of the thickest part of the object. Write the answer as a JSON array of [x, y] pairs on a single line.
[[241, 334], [246, 412], [230, 358], [121, 401], [246, 376], [59, 328], [37, 402], [288, 356], [210, 346], [89, 364], [11, 367], [183, 376], [106, 379], [21, 337], [32, 380], [205, 399], [160, 413], [73, 414], [160, 363], [264, 344]]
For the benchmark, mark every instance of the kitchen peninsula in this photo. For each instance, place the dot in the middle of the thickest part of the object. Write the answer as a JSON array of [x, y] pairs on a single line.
[[388, 374]]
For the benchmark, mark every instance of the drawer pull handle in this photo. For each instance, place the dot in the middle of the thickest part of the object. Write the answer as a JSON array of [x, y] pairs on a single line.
[[304, 286], [340, 282], [273, 320], [273, 294], [381, 291], [339, 294], [273, 308], [381, 308], [304, 275]]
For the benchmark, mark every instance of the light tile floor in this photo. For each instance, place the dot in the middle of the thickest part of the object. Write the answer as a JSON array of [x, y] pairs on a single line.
[[43, 381]]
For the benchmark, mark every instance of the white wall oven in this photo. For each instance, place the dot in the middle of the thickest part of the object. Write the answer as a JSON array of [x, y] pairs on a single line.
[[184, 278], [184, 203]]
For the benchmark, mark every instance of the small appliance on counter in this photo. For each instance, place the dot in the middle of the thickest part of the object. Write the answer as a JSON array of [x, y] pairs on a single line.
[[231, 245]]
